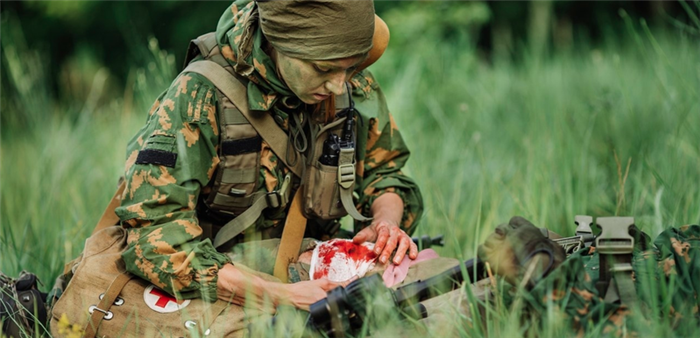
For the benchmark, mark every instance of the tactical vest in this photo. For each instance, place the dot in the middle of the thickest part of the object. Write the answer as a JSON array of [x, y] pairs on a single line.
[[236, 187]]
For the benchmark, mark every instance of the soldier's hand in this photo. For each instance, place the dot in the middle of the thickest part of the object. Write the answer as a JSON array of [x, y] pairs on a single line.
[[388, 237], [240, 287], [385, 232], [303, 294]]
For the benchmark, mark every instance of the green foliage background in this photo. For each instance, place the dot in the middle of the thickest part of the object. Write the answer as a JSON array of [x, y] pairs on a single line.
[[605, 126]]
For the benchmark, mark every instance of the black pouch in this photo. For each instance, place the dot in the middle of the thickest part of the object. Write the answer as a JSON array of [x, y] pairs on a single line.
[[23, 310]]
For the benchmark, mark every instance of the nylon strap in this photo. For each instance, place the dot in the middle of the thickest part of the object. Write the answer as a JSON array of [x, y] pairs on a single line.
[[625, 286], [292, 235], [109, 217], [243, 221], [106, 303], [346, 178], [263, 122]]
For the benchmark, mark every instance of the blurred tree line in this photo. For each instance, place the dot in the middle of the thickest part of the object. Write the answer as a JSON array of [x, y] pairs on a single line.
[[81, 41]]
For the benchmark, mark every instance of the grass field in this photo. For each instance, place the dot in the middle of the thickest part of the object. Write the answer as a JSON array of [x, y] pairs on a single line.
[[611, 130]]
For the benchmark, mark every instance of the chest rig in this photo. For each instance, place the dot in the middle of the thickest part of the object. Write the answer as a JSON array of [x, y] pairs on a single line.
[[326, 170]]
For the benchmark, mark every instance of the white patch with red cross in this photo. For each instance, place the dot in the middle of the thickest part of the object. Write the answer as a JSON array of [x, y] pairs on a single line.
[[160, 301]]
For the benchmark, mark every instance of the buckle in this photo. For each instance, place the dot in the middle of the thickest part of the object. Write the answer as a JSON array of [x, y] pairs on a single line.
[[106, 315], [274, 199], [614, 237], [279, 198], [346, 175], [583, 229]]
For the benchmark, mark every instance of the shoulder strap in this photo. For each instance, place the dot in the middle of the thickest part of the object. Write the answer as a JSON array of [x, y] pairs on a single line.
[[101, 310], [263, 122], [206, 46], [292, 236], [109, 218]]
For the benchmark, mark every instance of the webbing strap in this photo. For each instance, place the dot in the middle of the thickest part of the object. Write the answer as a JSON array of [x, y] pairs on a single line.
[[207, 42], [233, 116], [102, 309], [243, 221], [346, 178], [240, 175], [239, 201], [625, 286], [292, 236], [263, 122]]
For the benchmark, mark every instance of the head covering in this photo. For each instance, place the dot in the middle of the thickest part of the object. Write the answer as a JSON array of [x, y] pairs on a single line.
[[318, 29], [241, 41]]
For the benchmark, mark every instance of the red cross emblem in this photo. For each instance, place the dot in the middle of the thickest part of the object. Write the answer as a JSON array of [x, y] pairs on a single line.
[[163, 298], [160, 301]]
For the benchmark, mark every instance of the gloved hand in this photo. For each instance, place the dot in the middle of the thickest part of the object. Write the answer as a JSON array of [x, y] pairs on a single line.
[[519, 251]]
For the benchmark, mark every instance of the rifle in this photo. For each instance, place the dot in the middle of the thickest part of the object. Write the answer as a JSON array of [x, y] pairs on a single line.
[[425, 241], [345, 309]]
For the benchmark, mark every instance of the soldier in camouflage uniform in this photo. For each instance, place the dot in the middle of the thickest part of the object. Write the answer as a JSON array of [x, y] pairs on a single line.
[[290, 71], [665, 275]]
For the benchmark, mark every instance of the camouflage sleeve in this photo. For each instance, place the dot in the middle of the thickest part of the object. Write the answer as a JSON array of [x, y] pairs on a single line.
[[383, 154], [571, 290], [168, 161], [665, 281], [673, 266]]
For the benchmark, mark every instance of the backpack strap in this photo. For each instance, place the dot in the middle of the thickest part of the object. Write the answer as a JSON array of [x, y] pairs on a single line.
[[263, 122], [267, 128], [204, 45], [101, 311], [292, 236]]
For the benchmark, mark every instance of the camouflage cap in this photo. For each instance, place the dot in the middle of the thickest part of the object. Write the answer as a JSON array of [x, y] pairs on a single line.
[[318, 29]]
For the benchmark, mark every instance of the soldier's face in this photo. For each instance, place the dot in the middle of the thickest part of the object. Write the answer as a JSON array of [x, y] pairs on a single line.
[[314, 80]]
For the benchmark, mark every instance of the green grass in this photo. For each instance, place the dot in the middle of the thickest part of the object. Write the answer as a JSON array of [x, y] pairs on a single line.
[[599, 131], [610, 131]]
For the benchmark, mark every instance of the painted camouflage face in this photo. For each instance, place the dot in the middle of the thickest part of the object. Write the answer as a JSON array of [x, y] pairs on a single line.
[[241, 42], [314, 81]]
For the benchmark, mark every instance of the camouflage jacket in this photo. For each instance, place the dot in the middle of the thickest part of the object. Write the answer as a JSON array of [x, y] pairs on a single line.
[[172, 159], [666, 276]]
